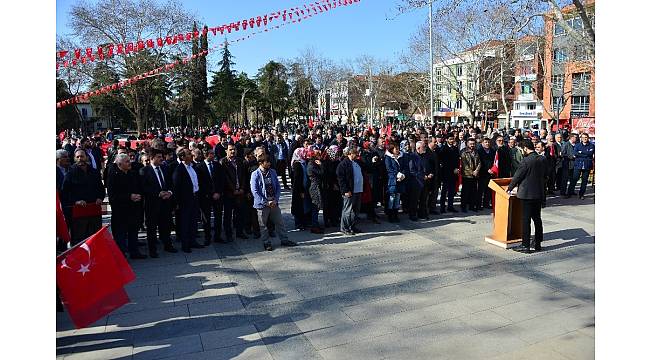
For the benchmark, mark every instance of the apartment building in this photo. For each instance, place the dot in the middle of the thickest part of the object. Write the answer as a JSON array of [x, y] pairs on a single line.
[[528, 108], [569, 94]]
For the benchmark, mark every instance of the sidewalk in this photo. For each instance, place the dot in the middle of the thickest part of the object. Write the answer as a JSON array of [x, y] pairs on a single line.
[[427, 290]]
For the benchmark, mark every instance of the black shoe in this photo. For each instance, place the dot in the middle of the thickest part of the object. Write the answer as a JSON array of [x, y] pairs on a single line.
[[474, 209], [423, 217], [521, 249], [242, 236], [413, 218], [268, 247], [207, 243], [288, 243], [271, 234], [442, 211], [187, 250], [356, 230], [229, 239], [196, 246], [434, 212], [257, 236], [538, 248], [153, 255], [463, 209], [567, 196], [376, 221], [573, 194], [170, 249], [451, 209], [142, 243], [138, 256]]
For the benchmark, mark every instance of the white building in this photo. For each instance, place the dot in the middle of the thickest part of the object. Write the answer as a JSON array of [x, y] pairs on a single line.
[[335, 102]]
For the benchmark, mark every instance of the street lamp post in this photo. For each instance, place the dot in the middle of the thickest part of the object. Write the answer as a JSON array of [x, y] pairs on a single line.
[[431, 61]]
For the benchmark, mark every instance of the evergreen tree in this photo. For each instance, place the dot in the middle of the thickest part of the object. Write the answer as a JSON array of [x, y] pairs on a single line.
[[224, 93], [274, 89]]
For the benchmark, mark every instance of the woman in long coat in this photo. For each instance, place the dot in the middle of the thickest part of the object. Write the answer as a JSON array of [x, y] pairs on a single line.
[[299, 188], [315, 174], [333, 203], [395, 162]]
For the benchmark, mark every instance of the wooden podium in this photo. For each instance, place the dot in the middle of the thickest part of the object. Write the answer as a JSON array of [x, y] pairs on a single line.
[[507, 216]]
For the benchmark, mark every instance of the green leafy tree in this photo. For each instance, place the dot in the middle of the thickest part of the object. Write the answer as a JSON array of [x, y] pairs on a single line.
[[67, 117], [274, 89], [112, 104]]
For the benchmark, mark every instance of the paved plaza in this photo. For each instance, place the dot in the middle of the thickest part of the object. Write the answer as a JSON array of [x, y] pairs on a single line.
[[428, 290]]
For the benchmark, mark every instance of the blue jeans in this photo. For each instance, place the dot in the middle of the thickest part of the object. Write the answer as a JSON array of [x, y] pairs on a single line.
[[393, 201]]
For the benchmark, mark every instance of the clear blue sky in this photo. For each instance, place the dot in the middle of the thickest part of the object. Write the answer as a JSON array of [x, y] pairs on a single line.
[[340, 34]]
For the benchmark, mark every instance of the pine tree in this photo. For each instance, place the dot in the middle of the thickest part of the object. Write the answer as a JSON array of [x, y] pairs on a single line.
[[224, 92]]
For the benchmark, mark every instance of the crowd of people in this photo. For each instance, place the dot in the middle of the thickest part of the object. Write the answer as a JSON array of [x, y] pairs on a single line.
[[177, 179]]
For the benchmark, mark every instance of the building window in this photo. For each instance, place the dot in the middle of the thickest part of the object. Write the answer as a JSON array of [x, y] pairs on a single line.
[[557, 82], [559, 55], [459, 103], [438, 105], [526, 88], [459, 70], [576, 23], [531, 106], [460, 86], [517, 106], [581, 80], [438, 71], [438, 87], [84, 113], [558, 103], [559, 30], [580, 104]]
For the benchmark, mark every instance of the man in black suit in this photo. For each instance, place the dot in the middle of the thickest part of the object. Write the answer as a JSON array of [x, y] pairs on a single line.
[[449, 169], [211, 183], [186, 193], [125, 197], [156, 186], [234, 190], [529, 179], [220, 148], [487, 154]]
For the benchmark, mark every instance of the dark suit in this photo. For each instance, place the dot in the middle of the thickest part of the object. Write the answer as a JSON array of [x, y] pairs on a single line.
[[211, 182], [487, 161], [124, 211], [234, 179], [158, 212], [530, 179], [188, 206], [449, 160]]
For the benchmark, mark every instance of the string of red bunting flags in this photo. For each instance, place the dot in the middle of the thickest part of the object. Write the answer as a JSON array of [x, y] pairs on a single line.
[[171, 66], [67, 58]]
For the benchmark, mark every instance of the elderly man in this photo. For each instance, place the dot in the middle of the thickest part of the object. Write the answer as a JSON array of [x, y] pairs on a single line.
[[62, 166], [82, 185], [350, 179], [125, 197], [568, 158], [186, 193]]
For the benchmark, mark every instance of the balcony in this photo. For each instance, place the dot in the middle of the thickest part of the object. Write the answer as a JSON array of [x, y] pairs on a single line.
[[580, 107]]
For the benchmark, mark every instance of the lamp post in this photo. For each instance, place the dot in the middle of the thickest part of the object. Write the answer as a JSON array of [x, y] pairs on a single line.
[[431, 61]]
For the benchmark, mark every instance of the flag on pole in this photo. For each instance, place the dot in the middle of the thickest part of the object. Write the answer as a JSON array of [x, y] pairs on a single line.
[[91, 278]]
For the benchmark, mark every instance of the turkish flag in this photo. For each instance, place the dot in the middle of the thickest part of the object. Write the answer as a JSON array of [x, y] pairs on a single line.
[[61, 225], [495, 167], [91, 278], [212, 140], [311, 122], [225, 128]]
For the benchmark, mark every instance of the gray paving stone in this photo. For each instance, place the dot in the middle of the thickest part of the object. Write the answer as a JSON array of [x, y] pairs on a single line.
[[147, 317], [321, 320], [229, 337], [220, 305], [374, 309], [249, 351], [117, 353], [167, 347], [347, 333]]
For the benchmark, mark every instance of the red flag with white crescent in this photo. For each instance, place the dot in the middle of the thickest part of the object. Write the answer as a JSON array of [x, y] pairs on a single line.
[[91, 278]]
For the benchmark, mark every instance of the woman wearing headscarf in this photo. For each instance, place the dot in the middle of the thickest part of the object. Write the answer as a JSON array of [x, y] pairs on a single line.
[[300, 188], [333, 202], [315, 174], [395, 161]]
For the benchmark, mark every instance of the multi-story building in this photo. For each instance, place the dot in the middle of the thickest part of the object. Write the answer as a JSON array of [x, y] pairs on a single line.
[[528, 108], [569, 94], [467, 85], [334, 102]]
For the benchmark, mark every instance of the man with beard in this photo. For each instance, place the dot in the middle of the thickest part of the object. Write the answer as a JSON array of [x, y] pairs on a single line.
[[449, 160], [82, 186], [486, 153]]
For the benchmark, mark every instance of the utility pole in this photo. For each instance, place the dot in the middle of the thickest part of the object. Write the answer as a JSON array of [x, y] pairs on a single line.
[[431, 61]]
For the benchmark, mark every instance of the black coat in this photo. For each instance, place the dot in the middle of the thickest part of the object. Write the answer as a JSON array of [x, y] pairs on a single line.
[[315, 174], [505, 162], [182, 186], [121, 186], [345, 175], [79, 185], [231, 174], [431, 165], [530, 178], [449, 160], [487, 160], [297, 188], [217, 179]]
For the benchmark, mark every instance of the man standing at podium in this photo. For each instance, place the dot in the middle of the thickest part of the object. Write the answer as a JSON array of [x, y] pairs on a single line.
[[529, 180]]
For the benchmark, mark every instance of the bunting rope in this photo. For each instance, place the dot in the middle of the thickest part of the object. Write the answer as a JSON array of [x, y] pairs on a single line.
[[73, 58], [171, 66]]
